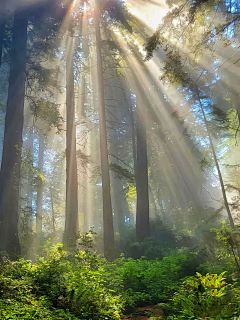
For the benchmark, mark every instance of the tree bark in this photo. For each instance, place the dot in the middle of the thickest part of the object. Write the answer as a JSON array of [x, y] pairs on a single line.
[[119, 217], [40, 187], [30, 180], [142, 214], [85, 207], [12, 145], [133, 138], [53, 212], [71, 220], [107, 204]]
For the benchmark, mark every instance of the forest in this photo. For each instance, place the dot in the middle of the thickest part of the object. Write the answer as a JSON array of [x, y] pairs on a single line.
[[120, 159]]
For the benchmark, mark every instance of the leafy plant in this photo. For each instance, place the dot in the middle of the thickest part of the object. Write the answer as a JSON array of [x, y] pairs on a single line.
[[207, 297], [68, 281]]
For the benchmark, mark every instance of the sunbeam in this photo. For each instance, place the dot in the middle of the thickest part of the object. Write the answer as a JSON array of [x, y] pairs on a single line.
[[120, 174]]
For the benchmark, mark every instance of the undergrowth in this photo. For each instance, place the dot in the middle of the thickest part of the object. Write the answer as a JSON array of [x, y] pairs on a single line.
[[70, 285]]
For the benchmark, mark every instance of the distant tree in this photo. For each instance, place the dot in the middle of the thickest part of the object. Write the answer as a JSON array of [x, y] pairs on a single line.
[[40, 183]]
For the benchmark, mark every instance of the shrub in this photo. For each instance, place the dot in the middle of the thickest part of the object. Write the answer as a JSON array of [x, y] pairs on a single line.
[[142, 282], [32, 309], [207, 297], [68, 281]]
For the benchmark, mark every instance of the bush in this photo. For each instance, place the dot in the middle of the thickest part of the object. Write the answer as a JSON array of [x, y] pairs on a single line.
[[142, 282], [17, 300], [32, 309], [81, 285], [207, 297], [66, 281], [161, 241]]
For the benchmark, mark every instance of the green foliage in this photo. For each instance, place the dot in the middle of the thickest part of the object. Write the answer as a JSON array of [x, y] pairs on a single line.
[[122, 172], [194, 221], [31, 309], [39, 179], [118, 12], [84, 158], [143, 282], [149, 248], [162, 239], [47, 111], [81, 285], [71, 282], [131, 193], [173, 71], [230, 238], [206, 297], [17, 300]]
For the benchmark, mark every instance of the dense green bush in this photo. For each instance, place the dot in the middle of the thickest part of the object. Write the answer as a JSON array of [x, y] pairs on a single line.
[[143, 282], [75, 285], [31, 309], [221, 250], [208, 297], [75, 282], [161, 241], [66, 281], [17, 300], [89, 287]]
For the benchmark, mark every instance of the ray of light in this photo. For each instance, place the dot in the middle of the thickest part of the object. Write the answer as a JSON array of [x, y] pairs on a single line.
[[148, 13]]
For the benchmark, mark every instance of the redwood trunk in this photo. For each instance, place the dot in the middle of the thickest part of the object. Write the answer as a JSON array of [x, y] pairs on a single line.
[[12, 144], [40, 187], [118, 205], [142, 214], [71, 220], [107, 204]]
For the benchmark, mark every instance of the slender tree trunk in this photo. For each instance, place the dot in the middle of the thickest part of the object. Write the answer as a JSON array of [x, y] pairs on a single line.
[[85, 204], [133, 139], [107, 205], [30, 182], [53, 212], [141, 165], [40, 187], [119, 217], [216, 163], [85, 207], [142, 214], [71, 220], [2, 25], [12, 144]]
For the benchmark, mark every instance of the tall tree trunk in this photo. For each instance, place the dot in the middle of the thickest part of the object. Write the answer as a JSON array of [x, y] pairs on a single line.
[[40, 187], [216, 163], [12, 144], [142, 214], [2, 25], [85, 206], [71, 220], [107, 204], [30, 181], [53, 212], [117, 188], [133, 138]]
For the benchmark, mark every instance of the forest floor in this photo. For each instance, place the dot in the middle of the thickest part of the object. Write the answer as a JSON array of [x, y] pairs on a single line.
[[145, 313]]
